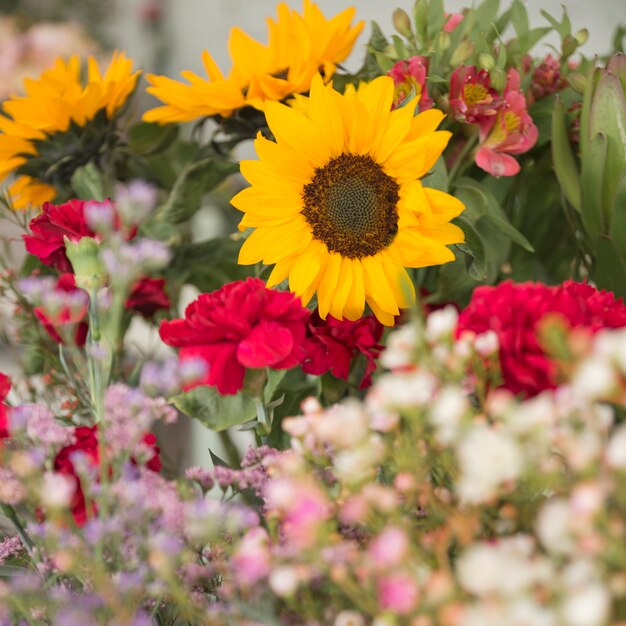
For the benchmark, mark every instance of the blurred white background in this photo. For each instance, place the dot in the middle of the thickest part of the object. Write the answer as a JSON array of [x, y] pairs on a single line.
[[191, 26]]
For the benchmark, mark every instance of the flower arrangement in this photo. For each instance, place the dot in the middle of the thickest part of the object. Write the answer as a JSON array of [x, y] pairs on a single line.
[[418, 322]]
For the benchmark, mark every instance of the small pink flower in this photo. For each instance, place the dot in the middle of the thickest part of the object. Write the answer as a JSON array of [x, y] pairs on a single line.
[[398, 593], [512, 131], [452, 21], [472, 98], [251, 561], [547, 78], [411, 75], [389, 548]]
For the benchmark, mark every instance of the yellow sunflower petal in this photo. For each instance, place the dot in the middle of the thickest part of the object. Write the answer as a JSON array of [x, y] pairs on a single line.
[[328, 284], [305, 273]]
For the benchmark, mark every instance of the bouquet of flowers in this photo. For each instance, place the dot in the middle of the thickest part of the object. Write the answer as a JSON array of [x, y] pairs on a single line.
[[418, 321]]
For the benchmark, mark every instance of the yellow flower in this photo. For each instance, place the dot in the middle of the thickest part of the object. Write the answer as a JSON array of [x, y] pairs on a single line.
[[41, 138], [299, 46], [336, 203]]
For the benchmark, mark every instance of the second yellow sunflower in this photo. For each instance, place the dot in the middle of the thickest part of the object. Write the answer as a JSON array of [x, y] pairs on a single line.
[[336, 203]]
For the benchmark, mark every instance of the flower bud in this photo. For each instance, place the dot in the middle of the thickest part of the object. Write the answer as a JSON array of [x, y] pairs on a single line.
[[464, 51], [443, 41], [568, 46], [402, 22], [498, 79], [84, 256], [578, 82], [581, 36], [486, 61]]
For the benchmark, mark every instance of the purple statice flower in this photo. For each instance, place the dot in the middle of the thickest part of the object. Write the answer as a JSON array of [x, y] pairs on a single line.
[[33, 288], [100, 216], [129, 415], [10, 547], [40, 425], [254, 456], [201, 476], [135, 200], [161, 379]]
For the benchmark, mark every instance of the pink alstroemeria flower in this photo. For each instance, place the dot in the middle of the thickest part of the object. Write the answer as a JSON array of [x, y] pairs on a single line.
[[472, 98], [452, 21], [512, 131], [408, 75]]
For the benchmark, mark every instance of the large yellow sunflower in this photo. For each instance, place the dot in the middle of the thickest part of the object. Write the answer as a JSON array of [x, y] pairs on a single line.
[[35, 141], [336, 203], [299, 46]]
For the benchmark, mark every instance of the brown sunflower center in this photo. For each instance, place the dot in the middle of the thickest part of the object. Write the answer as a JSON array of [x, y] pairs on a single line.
[[351, 205]]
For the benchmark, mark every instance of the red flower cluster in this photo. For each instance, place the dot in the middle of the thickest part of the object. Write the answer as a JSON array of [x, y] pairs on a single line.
[[241, 325], [411, 75], [547, 78], [148, 296], [514, 312], [332, 345], [86, 442], [50, 228], [505, 127], [5, 387]]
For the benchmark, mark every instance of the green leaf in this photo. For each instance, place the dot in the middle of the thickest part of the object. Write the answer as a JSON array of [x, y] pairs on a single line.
[[215, 411], [563, 157], [88, 183], [592, 170], [147, 138], [376, 43], [608, 117], [7, 571], [274, 378], [194, 181], [474, 247], [519, 19], [506, 228], [618, 221], [609, 271]]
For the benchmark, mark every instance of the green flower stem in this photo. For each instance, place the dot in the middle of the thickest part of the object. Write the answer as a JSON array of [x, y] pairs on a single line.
[[461, 161], [263, 419], [9, 512]]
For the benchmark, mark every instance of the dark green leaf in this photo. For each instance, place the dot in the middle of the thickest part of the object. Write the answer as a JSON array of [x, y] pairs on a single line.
[[194, 181], [89, 184], [563, 157], [609, 271], [146, 138]]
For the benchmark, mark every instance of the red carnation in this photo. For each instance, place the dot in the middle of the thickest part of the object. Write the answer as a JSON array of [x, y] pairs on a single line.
[[332, 345], [241, 325], [148, 296], [50, 228], [514, 312], [71, 311], [5, 387], [86, 441]]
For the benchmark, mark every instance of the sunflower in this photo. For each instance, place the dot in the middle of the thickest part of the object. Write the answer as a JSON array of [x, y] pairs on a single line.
[[299, 46], [44, 134], [336, 204]]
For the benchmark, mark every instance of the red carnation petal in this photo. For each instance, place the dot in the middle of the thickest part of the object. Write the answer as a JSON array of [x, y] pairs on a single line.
[[267, 344]]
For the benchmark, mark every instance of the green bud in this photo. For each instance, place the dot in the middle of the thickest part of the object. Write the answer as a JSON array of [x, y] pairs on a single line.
[[486, 61], [581, 36], [443, 41], [84, 255], [498, 79], [402, 22], [464, 51], [578, 82], [569, 45]]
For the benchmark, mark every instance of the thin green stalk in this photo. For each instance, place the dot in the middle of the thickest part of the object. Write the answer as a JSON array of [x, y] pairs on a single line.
[[460, 164], [9, 512], [263, 419]]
